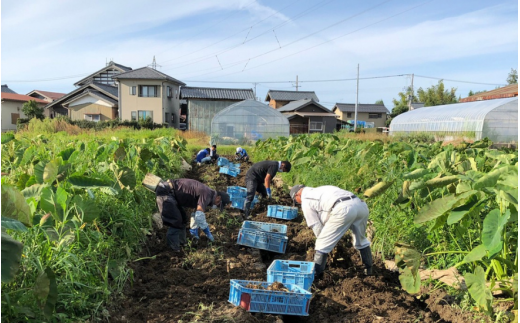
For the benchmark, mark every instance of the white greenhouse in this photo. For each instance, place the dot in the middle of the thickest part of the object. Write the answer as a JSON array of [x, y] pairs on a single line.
[[247, 121], [496, 119]]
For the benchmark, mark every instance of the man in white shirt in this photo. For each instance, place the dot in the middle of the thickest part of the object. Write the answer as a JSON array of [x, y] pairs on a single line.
[[330, 212]]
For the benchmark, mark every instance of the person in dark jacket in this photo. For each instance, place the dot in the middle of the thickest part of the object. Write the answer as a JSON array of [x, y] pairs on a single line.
[[258, 179], [173, 196], [213, 153]]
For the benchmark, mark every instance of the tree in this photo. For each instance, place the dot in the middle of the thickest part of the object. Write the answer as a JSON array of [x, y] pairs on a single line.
[[380, 102], [437, 95], [401, 105], [512, 77], [32, 110]]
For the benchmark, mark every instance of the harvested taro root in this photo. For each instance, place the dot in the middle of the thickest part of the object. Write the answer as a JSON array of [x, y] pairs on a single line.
[[278, 287]]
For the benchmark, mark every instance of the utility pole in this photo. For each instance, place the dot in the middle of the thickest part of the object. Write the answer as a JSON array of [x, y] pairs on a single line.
[[297, 86], [256, 99], [357, 96], [410, 97]]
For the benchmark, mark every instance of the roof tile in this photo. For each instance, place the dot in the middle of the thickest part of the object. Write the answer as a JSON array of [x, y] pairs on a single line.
[[20, 98], [216, 93], [291, 95], [350, 107]]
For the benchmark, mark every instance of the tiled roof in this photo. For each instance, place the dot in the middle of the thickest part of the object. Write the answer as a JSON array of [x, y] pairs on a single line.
[[94, 93], [503, 92], [350, 107], [120, 67], [291, 95], [296, 105], [20, 97], [51, 95], [146, 73], [6, 89], [103, 88], [216, 93]]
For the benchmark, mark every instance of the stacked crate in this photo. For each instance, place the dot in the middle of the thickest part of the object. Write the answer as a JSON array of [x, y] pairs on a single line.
[[238, 197]]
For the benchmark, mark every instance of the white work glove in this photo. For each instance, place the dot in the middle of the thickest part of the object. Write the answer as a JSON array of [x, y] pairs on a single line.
[[317, 229], [200, 220]]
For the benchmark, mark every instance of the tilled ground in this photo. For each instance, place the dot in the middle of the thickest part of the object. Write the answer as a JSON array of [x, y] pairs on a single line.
[[194, 286]]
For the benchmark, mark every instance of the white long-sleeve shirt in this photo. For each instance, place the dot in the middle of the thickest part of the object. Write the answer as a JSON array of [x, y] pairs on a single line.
[[317, 202]]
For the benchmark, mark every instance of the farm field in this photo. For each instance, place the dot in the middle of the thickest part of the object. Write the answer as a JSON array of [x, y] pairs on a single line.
[[90, 251], [194, 287]]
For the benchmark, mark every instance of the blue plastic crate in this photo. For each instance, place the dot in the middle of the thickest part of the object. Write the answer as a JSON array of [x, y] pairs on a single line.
[[300, 273], [262, 240], [295, 302], [227, 171], [221, 161], [234, 167], [266, 227], [282, 212], [237, 191], [238, 202]]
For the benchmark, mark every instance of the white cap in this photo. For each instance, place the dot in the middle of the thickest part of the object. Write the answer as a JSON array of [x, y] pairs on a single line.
[[239, 150]]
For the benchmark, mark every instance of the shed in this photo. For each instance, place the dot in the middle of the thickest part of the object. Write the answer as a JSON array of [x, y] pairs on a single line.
[[247, 121], [496, 119]]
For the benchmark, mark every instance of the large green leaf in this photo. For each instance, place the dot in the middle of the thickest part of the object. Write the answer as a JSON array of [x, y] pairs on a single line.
[[410, 283], [492, 230], [440, 206], [28, 155], [127, 178], [46, 290], [490, 179], [51, 171], [418, 173], [53, 203], [475, 203], [87, 208], [6, 137], [11, 257], [301, 161], [476, 254], [441, 181], [407, 256], [34, 190], [120, 154], [14, 205], [65, 154], [8, 223], [478, 290], [86, 181], [39, 169]]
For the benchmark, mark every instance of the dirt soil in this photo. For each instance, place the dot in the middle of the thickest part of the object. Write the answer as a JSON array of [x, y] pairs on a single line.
[[194, 286]]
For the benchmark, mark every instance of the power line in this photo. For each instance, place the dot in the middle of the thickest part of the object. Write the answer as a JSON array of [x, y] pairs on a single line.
[[47, 80], [310, 81], [458, 81]]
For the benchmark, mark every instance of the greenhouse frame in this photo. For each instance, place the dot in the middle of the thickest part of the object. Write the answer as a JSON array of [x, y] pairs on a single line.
[[247, 121], [495, 119]]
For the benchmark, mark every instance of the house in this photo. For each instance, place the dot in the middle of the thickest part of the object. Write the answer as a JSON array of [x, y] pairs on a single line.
[[203, 103], [278, 99], [146, 92], [6, 89], [45, 95], [308, 116], [94, 99], [375, 113], [503, 92], [12, 108]]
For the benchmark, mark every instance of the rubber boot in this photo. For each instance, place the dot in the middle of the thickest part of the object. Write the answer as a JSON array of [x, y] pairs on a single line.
[[320, 262], [366, 258], [247, 211], [208, 234]]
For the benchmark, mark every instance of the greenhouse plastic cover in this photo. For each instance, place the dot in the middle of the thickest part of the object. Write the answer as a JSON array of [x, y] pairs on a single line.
[[246, 121], [496, 119]]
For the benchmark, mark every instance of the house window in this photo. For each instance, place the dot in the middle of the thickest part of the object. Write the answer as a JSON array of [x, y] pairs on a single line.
[[169, 91], [374, 115], [176, 94], [349, 114], [133, 89], [134, 115], [166, 117], [316, 126], [143, 115], [14, 117], [92, 117], [148, 91]]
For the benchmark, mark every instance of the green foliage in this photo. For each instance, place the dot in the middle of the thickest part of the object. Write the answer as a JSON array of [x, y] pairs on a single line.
[[83, 213], [512, 77], [437, 95], [440, 206], [32, 110]]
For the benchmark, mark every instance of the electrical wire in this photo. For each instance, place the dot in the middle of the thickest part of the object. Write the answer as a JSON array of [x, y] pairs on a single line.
[[457, 81]]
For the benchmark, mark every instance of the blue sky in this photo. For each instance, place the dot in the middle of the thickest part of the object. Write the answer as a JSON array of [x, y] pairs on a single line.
[[207, 43]]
